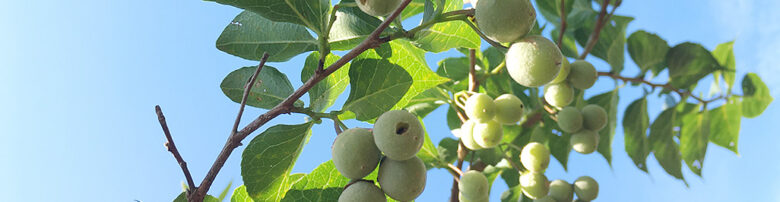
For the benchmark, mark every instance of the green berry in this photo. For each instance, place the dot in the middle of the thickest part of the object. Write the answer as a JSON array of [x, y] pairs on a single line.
[[362, 191], [594, 117], [509, 109], [462, 198], [467, 135], [586, 188], [378, 7], [559, 94], [480, 107], [545, 199], [533, 61], [535, 157], [565, 68], [474, 185], [582, 75], [584, 141], [505, 20], [561, 190], [398, 134], [534, 185], [402, 180], [488, 134], [570, 119], [354, 153]]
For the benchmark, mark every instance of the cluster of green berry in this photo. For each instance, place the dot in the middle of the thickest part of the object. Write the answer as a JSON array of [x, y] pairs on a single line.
[[584, 125], [535, 157], [356, 152], [483, 129]]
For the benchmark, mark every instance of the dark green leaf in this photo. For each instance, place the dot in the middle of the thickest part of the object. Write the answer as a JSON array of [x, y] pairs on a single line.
[[310, 13], [271, 87], [351, 27], [756, 96], [608, 101], [448, 149], [694, 136], [250, 35], [689, 62], [611, 43], [551, 9], [454, 68], [648, 51], [511, 178], [325, 93], [724, 125], [183, 198], [447, 35], [453, 121], [635, 124], [513, 194], [724, 53], [324, 183], [268, 159], [569, 46], [661, 139]]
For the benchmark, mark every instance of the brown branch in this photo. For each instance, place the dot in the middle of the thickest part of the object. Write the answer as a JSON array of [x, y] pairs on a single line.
[[247, 89], [600, 22], [473, 83], [682, 93], [286, 105], [172, 148], [462, 152], [336, 125], [563, 23]]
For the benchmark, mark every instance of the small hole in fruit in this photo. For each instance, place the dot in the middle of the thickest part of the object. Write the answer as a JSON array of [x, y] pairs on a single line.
[[401, 128]]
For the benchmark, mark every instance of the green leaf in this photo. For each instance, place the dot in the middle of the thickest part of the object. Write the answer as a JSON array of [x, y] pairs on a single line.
[[268, 159], [724, 53], [424, 103], [689, 62], [661, 139], [454, 68], [250, 35], [694, 136], [351, 27], [724, 125], [648, 51], [325, 93], [271, 87], [310, 13], [387, 78], [448, 149], [756, 96], [608, 101], [569, 46], [635, 124], [183, 198], [324, 183], [240, 195], [453, 121], [611, 43], [559, 144], [428, 153], [513, 194], [551, 9], [225, 191], [415, 7], [447, 35]]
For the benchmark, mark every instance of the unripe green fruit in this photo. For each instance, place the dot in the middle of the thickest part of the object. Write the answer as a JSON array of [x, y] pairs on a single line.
[[545, 199], [585, 141], [474, 185], [505, 20], [561, 190], [534, 185], [509, 109], [398, 134], [535, 157], [488, 134], [402, 180], [480, 107], [559, 94], [378, 7], [362, 191], [462, 198], [467, 135], [570, 119], [565, 69], [594, 117], [586, 188], [582, 75], [354, 153], [533, 61]]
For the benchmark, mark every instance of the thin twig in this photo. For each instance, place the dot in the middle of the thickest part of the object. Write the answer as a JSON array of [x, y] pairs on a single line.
[[500, 47], [594, 37], [682, 93], [563, 23], [462, 152], [509, 159], [336, 125], [172, 148], [247, 89]]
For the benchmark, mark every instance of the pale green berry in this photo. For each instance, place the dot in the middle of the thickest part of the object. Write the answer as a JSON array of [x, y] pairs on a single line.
[[559, 95], [565, 68], [402, 180], [505, 20], [398, 134], [545, 199], [378, 7], [462, 198], [467, 135], [534, 185], [585, 141], [480, 107], [586, 188], [509, 109], [354, 153], [533, 61], [594, 117], [474, 185], [362, 191], [535, 157], [561, 190], [582, 74], [570, 119], [488, 134]]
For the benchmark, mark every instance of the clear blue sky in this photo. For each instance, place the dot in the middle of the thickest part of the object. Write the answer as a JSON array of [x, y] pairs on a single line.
[[79, 82]]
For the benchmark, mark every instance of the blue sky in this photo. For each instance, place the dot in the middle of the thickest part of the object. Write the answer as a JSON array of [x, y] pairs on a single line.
[[79, 83]]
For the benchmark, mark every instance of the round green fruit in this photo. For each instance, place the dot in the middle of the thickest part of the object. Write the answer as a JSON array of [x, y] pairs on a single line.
[[480, 107], [378, 7], [586, 188], [488, 134], [505, 21], [402, 180], [534, 185], [561, 190], [509, 109], [565, 68], [594, 117], [467, 135], [398, 134], [533, 61], [474, 185], [535, 157], [362, 191], [545, 199], [354, 153], [559, 94], [570, 119], [585, 141], [582, 75], [462, 198]]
